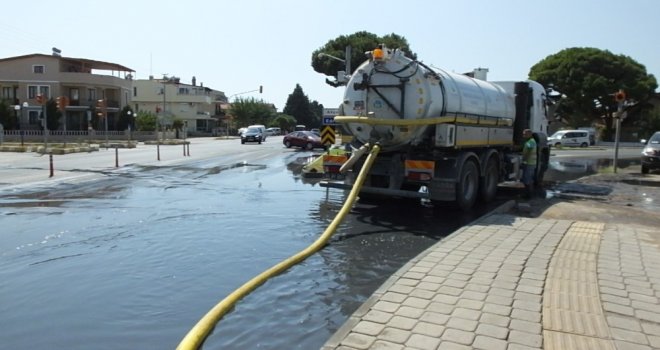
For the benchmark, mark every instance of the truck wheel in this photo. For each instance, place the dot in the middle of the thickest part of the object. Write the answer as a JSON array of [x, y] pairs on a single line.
[[488, 183], [468, 186]]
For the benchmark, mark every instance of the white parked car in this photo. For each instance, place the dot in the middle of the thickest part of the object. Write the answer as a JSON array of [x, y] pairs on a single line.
[[273, 131], [575, 138]]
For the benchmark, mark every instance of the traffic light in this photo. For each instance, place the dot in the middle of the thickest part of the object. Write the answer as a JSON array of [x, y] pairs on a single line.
[[100, 108], [261, 89], [620, 96], [62, 102]]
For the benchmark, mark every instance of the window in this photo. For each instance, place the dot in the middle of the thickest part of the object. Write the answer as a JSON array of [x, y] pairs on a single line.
[[91, 94], [74, 94], [184, 91], [34, 90], [45, 91], [38, 69], [7, 92], [134, 91], [33, 117]]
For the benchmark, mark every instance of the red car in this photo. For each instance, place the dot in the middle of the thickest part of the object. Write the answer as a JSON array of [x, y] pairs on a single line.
[[304, 139]]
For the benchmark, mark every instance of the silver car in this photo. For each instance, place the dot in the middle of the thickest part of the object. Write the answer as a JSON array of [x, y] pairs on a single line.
[[651, 153]]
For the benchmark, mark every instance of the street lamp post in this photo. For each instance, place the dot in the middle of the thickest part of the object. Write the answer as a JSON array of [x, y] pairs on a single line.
[[342, 79], [45, 122], [130, 119], [17, 109]]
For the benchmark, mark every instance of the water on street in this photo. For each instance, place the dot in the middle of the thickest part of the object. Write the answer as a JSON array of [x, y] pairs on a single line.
[[133, 261]]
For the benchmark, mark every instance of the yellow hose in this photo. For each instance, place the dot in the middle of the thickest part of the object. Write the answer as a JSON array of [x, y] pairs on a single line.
[[201, 330]]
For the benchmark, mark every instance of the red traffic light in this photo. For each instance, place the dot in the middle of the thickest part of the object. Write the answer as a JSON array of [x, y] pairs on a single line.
[[62, 102], [620, 96]]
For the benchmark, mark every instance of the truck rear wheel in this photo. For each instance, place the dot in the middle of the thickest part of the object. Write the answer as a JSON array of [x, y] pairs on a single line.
[[468, 185], [488, 183]]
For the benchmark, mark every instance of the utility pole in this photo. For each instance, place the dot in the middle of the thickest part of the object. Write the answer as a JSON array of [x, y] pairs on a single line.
[[620, 98], [102, 111], [41, 99]]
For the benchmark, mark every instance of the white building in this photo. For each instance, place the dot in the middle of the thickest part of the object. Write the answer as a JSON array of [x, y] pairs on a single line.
[[198, 106]]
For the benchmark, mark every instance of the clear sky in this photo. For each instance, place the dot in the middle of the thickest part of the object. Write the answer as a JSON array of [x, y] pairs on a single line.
[[236, 46]]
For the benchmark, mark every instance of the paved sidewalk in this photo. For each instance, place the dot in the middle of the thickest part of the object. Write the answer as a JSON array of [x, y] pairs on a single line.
[[507, 282]]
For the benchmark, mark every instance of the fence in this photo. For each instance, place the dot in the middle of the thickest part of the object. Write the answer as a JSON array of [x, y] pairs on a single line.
[[71, 136]]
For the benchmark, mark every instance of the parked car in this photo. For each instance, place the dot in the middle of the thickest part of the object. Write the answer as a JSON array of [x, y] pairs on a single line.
[[253, 134], [304, 139], [651, 153], [300, 127], [273, 131], [575, 138]]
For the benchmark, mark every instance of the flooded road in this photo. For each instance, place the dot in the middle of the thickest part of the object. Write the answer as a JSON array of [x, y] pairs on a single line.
[[133, 261]]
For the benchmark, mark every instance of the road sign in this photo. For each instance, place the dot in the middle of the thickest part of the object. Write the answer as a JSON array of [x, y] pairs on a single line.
[[328, 135], [328, 120], [329, 115]]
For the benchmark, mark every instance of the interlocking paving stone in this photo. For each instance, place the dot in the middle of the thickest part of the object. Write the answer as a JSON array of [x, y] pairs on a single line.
[[369, 328], [567, 341], [488, 343], [525, 338], [358, 341], [394, 335], [409, 312], [458, 336], [494, 319], [430, 329], [384, 345], [421, 341]]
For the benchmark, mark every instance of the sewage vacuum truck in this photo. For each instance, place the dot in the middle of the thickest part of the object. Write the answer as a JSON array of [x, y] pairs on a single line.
[[443, 136]]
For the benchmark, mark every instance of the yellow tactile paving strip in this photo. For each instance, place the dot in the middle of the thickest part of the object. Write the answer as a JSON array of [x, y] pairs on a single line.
[[572, 314]]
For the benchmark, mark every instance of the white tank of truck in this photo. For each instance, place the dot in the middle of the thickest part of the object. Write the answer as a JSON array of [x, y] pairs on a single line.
[[394, 87]]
